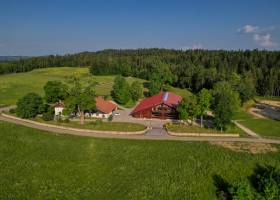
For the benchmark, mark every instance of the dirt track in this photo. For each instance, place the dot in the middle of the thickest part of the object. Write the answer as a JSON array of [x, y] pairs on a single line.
[[147, 136]]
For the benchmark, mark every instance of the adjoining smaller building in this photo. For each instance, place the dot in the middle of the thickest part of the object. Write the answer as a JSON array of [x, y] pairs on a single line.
[[162, 106], [58, 108], [103, 108]]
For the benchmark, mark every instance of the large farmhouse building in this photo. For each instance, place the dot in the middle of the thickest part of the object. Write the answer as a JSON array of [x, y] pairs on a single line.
[[162, 105]]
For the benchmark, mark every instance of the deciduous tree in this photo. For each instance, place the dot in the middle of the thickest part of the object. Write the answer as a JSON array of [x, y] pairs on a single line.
[[226, 103], [246, 88], [187, 108], [121, 90], [136, 90], [80, 99], [30, 106], [55, 91], [203, 103]]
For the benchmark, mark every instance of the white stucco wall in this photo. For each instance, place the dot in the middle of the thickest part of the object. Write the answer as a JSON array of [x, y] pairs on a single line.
[[98, 115], [58, 111]]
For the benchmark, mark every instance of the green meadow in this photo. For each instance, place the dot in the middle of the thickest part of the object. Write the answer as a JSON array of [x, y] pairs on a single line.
[[39, 165], [14, 86]]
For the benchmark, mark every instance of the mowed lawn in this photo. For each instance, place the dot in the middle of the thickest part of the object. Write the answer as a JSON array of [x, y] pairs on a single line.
[[38, 165], [101, 126], [264, 127], [181, 128]]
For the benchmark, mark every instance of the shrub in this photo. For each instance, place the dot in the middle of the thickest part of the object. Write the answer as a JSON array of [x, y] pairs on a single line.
[[66, 121], [12, 110], [98, 122], [267, 182], [29, 106], [110, 118], [240, 190], [59, 120], [48, 116], [106, 97]]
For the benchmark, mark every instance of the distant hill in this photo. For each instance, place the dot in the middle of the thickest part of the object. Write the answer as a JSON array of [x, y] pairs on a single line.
[[11, 58]]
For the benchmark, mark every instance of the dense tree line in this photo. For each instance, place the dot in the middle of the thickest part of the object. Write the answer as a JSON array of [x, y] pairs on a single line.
[[193, 69]]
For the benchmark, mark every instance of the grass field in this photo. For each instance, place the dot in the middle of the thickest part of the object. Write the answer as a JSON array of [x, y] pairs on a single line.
[[36, 165], [179, 91], [14, 86], [264, 127], [273, 98], [104, 126], [181, 128]]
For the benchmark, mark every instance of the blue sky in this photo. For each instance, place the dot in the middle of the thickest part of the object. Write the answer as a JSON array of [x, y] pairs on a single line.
[[41, 27]]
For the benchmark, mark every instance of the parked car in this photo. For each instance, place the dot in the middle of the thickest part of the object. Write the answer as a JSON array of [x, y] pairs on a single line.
[[116, 114]]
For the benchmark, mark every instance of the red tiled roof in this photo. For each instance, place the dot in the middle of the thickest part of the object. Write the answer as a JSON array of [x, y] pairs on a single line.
[[104, 106], [167, 98], [59, 104]]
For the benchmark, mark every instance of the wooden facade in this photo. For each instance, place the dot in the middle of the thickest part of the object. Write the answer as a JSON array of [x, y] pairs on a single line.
[[160, 111]]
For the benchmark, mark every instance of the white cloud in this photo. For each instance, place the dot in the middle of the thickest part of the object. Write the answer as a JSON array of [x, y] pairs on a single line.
[[254, 29], [249, 29], [261, 35], [194, 46], [264, 40]]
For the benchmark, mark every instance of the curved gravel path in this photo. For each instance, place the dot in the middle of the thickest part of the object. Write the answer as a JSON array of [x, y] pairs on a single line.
[[147, 136], [246, 130]]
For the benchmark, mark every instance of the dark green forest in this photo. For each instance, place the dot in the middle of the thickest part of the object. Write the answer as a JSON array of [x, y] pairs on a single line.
[[192, 69]]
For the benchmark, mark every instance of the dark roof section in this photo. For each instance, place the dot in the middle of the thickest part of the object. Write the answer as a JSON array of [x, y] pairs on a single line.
[[59, 104], [167, 98]]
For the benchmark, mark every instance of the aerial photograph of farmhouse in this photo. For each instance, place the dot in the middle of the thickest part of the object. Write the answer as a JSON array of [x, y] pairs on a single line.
[[139, 100]]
